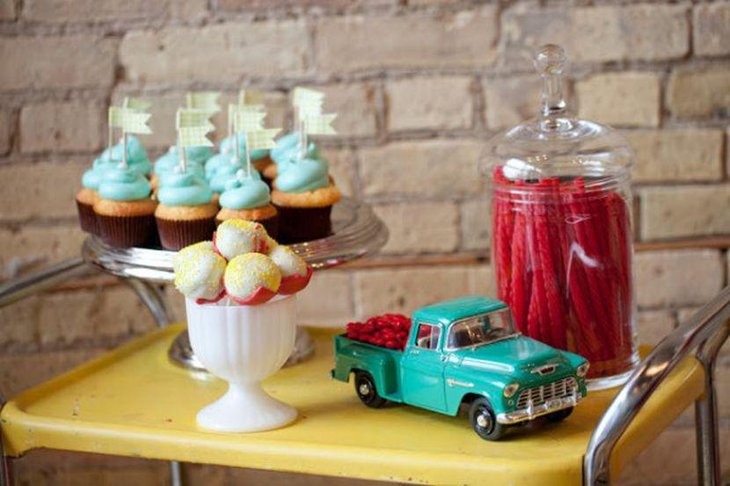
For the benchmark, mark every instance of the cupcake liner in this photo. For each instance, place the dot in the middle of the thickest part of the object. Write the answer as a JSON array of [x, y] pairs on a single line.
[[304, 224], [177, 234], [87, 217], [125, 231]]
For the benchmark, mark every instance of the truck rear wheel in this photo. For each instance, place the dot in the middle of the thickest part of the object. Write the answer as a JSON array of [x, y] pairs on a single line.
[[483, 420], [366, 391]]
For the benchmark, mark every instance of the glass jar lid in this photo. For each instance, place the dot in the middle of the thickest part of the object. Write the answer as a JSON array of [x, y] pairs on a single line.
[[555, 143]]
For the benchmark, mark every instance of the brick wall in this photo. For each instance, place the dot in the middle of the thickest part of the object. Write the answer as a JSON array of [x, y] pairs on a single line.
[[419, 85]]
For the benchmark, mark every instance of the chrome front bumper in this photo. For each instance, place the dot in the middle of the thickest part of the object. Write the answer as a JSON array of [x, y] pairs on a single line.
[[532, 412]]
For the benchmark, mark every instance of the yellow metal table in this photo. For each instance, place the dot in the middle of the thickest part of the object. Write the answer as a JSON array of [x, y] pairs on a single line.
[[134, 402]]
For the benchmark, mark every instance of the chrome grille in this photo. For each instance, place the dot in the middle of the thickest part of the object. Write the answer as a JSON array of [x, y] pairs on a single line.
[[540, 394]]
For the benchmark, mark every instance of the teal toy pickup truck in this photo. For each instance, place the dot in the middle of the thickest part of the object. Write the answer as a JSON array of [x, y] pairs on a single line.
[[465, 352]]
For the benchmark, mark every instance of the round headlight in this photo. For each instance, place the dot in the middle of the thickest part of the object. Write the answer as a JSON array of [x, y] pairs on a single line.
[[511, 389], [582, 369]]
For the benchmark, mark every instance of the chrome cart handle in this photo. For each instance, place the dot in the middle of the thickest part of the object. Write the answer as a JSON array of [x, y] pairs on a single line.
[[704, 333], [34, 282]]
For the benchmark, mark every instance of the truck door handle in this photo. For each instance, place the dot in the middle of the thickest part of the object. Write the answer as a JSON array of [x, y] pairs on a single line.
[[442, 357]]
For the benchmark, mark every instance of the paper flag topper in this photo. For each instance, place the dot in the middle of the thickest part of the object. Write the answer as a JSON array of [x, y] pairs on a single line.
[[193, 137], [115, 116], [191, 117], [248, 97], [262, 139], [136, 104], [320, 124], [249, 120], [129, 121], [204, 100], [304, 95]]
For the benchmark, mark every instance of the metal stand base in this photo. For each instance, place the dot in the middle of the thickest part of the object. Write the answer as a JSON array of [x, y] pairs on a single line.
[[181, 353]]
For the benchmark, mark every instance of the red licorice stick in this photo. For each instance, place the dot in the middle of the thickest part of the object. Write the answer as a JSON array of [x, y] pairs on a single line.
[[538, 307], [553, 331], [583, 292], [503, 228], [520, 279], [592, 262]]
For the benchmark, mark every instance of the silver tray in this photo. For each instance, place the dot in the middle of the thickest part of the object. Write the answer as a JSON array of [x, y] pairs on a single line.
[[357, 231]]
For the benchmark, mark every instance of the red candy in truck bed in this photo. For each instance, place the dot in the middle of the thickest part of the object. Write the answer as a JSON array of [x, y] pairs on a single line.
[[387, 331]]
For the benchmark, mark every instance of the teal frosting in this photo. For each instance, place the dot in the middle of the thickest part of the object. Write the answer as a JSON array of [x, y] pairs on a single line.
[[216, 162], [226, 173], [92, 177], [194, 169], [228, 147], [171, 159], [284, 147], [136, 155], [184, 189], [123, 184], [288, 150], [302, 175], [245, 192]]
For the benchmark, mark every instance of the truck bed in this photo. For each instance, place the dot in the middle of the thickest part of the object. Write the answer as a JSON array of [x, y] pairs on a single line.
[[382, 363]]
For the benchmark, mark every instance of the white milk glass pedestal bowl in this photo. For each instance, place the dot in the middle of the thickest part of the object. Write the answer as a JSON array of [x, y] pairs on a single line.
[[244, 345]]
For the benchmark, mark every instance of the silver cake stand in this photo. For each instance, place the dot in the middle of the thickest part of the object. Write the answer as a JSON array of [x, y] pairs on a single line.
[[357, 231]]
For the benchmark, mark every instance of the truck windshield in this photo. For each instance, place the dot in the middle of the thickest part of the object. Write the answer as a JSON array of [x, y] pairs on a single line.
[[482, 329]]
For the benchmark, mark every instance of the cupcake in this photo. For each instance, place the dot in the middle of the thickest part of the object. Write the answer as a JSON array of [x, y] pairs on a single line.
[[125, 214], [88, 195], [136, 155], [251, 279], [186, 213], [248, 198], [199, 272], [259, 158], [194, 156], [304, 195]]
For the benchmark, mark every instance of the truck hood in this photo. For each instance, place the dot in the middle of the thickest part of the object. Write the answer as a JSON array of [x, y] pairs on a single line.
[[515, 354]]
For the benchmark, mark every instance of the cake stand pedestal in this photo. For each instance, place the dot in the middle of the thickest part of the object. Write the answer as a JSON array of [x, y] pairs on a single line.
[[357, 231]]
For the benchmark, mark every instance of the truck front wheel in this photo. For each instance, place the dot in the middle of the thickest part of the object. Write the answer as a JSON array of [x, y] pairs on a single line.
[[366, 391], [483, 420]]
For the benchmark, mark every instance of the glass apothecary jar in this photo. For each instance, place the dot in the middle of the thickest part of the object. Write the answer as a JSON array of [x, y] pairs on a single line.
[[560, 212]]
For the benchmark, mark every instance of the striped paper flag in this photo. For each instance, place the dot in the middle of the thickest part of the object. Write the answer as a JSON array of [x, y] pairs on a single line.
[[191, 117], [134, 122], [115, 116], [304, 94], [136, 104], [320, 124], [204, 100], [262, 139], [249, 120], [193, 137]]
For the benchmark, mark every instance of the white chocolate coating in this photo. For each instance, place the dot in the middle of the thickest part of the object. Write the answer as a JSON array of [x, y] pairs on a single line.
[[236, 237], [288, 262], [246, 273], [199, 271]]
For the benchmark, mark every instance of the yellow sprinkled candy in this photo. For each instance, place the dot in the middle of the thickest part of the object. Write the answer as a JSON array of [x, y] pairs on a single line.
[[199, 271], [247, 272], [236, 236]]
